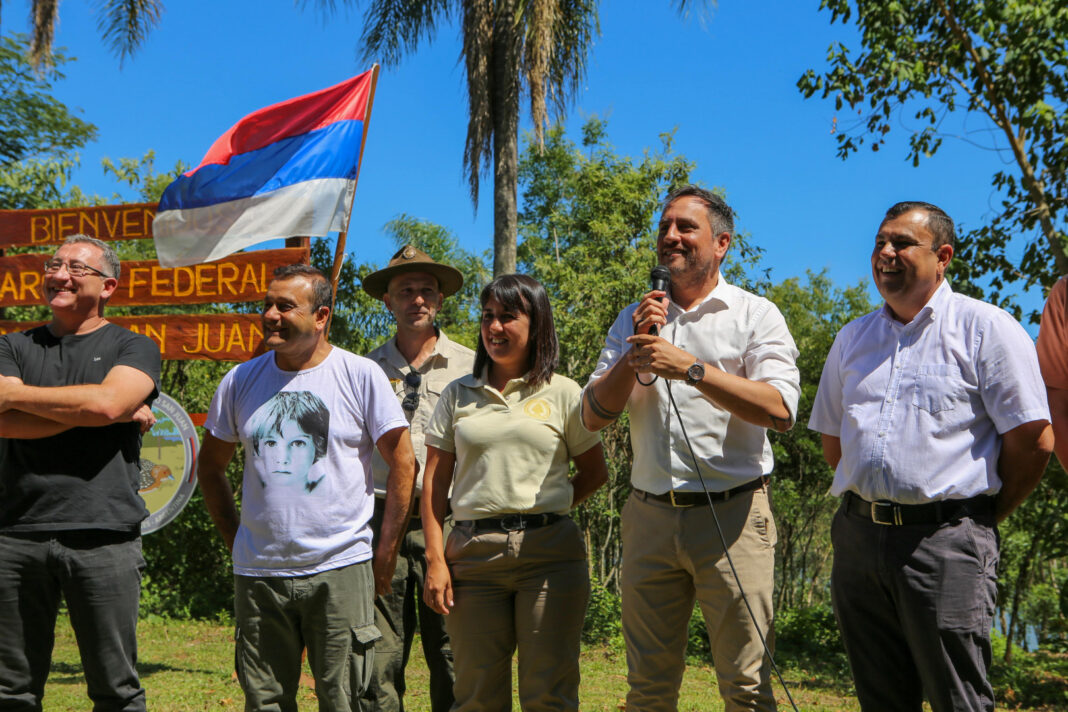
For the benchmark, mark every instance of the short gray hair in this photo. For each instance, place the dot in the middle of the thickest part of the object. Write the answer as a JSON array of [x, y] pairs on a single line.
[[720, 215], [109, 256]]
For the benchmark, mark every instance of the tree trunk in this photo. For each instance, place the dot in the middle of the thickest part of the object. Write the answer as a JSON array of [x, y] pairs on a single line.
[[505, 103]]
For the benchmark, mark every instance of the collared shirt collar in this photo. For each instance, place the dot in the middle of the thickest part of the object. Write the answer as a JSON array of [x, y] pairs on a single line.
[[397, 360], [934, 305], [722, 293], [481, 381]]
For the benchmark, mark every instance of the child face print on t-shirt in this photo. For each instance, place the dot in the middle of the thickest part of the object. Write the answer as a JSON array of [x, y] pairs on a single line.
[[288, 455], [289, 438]]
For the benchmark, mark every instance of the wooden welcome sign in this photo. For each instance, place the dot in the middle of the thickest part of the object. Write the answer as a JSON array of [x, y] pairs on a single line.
[[52, 227], [182, 337], [241, 277]]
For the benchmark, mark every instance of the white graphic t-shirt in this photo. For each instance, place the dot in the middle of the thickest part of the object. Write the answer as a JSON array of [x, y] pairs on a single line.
[[307, 496]]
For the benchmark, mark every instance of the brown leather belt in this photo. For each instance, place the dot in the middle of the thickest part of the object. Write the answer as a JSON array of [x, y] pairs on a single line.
[[694, 499]]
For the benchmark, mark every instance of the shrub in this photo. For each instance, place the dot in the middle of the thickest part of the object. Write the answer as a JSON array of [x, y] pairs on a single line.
[[604, 622], [810, 637]]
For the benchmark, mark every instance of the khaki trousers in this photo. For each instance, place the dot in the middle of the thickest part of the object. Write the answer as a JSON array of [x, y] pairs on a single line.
[[524, 590], [672, 556]]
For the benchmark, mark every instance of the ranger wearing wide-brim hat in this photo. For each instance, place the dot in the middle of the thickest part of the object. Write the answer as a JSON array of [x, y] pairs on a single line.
[[419, 360], [412, 259]]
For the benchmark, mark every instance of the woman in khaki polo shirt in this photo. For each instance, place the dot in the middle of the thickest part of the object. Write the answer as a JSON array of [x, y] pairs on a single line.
[[513, 573]]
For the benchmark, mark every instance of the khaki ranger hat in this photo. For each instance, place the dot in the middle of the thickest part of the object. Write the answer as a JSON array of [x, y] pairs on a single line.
[[410, 259]]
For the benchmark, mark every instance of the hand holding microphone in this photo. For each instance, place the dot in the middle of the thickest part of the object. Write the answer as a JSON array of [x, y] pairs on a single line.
[[653, 309], [658, 280]]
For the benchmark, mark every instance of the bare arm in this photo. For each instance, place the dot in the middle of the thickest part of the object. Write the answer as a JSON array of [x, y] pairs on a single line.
[[605, 399], [1025, 450], [214, 457], [753, 401], [437, 591], [115, 400], [396, 449], [1058, 410], [832, 449], [592, 474], [17, 425]]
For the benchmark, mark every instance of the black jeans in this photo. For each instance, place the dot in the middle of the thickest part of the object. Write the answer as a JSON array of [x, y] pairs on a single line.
[[99, 575]]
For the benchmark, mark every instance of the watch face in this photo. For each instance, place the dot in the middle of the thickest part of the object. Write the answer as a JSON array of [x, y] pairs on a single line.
[[695, 373]]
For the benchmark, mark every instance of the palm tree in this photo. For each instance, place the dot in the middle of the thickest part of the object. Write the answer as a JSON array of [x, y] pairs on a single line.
[[123, 24], [506, 44]]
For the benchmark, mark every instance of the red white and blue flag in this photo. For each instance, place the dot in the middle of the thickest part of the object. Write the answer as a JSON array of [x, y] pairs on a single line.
[[288, 170]]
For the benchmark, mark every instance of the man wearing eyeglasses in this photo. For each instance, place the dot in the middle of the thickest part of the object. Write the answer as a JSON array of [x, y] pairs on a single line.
[[73, 406], [419, 361]]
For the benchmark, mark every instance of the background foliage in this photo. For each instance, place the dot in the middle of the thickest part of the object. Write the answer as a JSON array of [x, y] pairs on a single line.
[[587, 232]]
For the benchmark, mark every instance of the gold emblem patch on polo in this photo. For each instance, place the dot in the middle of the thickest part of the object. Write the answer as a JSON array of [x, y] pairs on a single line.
[[538, 408]]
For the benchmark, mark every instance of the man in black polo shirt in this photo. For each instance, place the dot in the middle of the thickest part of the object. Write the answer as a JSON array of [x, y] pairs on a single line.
[[73, 405]]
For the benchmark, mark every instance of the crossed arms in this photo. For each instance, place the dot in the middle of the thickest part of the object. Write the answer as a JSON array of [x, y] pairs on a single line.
[[32, 412]]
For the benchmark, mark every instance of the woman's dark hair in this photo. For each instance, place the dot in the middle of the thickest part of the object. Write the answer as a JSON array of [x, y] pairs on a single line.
[[520, 293]]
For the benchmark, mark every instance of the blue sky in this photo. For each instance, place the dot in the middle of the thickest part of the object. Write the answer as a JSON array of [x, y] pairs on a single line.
[[727, 83]]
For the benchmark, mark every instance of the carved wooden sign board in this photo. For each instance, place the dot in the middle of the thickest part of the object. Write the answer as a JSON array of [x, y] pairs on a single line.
[[241, 277]]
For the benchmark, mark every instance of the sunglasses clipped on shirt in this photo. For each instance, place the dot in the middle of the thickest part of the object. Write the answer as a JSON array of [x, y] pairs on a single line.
[[412, 379]]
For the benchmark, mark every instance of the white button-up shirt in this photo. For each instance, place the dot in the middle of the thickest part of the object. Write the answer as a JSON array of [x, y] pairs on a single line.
[[732, 330], [920, 407]]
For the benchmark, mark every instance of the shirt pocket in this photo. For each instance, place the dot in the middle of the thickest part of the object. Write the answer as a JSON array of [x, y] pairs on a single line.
[[938, 388]]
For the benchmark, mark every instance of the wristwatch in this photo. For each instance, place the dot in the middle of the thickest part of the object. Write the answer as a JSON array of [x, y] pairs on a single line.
[[695, 373]]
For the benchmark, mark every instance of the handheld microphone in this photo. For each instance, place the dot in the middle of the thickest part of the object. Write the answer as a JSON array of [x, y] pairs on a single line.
[[658, 280]]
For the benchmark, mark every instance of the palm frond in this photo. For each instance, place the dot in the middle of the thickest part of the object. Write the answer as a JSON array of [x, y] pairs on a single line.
[[477, 31], [124, 24], [557, 37], [394, 27], [538, 57]]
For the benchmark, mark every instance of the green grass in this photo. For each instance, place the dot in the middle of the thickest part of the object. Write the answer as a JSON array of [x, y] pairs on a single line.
[[188, 665]]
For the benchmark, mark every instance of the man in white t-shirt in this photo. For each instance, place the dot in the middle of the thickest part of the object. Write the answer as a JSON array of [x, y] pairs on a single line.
[[309, 416]]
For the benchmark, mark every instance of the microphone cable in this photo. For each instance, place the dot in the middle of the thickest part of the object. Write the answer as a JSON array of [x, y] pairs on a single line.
[[723, 541]]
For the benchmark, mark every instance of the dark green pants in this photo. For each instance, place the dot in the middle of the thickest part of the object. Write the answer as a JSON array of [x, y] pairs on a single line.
[[331, 613], [398, 615]]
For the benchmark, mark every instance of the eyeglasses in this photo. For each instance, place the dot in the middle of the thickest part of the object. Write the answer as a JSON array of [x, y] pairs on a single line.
[[74, 269], [411, 401]]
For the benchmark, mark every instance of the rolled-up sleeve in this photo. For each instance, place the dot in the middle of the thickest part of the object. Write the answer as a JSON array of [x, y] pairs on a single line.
[[615, 344], [771, 357]]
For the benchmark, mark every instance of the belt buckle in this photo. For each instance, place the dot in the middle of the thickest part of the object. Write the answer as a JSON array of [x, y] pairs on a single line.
[[676, 504], [892, 510], [512, 522]]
